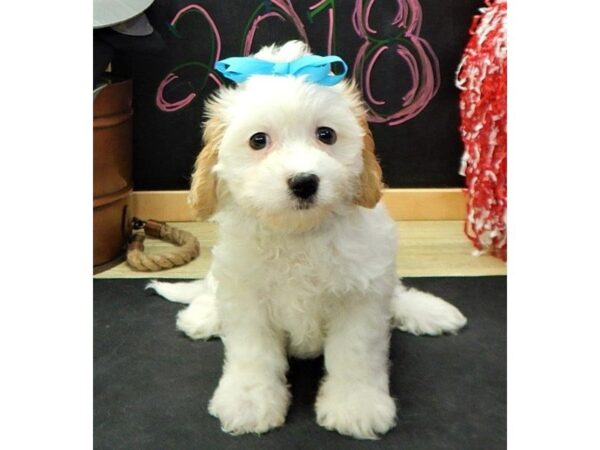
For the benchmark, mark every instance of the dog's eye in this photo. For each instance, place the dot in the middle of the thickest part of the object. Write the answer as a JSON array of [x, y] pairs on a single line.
[[326, 135], [259, 141]]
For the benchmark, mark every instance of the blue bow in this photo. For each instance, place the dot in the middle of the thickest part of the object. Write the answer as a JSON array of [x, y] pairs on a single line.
[[317, 69]]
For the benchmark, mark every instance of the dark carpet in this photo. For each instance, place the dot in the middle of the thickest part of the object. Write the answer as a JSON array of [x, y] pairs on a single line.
[[152, 384]]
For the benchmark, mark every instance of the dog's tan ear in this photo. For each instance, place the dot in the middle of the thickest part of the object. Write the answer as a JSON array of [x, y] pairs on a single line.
[[203, 191], [370, 179]]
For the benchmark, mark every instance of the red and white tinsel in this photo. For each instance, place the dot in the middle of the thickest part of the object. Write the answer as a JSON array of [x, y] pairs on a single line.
[[481, 76]]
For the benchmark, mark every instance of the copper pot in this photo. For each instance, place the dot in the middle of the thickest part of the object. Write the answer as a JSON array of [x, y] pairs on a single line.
[[112, 172]]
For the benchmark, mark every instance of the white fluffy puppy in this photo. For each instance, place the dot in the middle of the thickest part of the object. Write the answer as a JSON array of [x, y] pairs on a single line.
[[306, 257]]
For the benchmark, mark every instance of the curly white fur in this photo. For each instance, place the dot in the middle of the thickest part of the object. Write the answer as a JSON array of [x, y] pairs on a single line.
[[302, 282]]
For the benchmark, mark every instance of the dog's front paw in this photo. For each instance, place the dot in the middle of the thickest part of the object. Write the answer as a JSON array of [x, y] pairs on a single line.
[[355, 409], [249, 406], [419, 313]]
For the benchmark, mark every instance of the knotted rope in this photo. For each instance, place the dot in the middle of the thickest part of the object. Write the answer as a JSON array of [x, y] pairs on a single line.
[[187, 246]]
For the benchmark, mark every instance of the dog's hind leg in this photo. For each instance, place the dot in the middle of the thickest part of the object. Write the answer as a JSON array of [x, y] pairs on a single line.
[[419, 313], [200, 319]]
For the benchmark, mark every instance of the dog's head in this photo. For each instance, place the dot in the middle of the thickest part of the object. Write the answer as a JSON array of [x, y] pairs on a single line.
[[288, 151]]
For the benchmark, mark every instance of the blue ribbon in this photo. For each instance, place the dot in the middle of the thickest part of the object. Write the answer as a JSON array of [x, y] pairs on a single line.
[[317, 69]]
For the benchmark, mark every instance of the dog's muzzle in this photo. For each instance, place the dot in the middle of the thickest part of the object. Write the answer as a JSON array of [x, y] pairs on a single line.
[[304, 186]]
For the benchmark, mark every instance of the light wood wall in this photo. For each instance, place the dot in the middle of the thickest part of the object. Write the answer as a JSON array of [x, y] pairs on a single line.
[[403, 204]]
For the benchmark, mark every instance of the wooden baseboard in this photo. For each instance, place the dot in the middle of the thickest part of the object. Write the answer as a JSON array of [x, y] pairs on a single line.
[[403, 204], [426, 204], [166, 206]]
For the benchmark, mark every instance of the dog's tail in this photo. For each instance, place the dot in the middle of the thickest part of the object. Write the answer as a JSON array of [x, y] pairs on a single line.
[[419, 313], [182, 292]]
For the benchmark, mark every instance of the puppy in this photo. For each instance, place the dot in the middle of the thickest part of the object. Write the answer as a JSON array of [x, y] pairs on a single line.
[[305, 262]]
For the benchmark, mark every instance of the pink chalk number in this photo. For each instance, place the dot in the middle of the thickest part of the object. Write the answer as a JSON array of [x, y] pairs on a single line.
[[416, 53], [417, 59]]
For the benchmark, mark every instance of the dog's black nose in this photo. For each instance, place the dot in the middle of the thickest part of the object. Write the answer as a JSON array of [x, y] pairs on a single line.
[[304, 185]]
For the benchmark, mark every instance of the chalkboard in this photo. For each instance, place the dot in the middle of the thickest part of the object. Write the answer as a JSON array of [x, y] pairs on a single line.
[[403, 53]]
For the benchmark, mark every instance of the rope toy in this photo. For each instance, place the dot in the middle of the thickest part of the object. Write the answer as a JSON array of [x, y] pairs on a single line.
[[188, 246], [481, 76]]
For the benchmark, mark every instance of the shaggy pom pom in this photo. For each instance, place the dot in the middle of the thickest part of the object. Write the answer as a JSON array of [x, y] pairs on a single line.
[[481, 76]]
